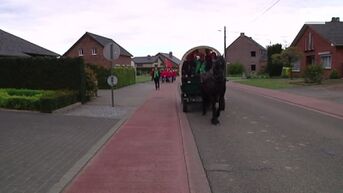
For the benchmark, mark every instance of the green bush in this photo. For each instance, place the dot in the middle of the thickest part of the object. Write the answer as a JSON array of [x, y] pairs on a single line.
[[236, 69], [39, 73], [91, 83], [23, 92], [334, 74], [20, 102], [38, 100], [101, 74], [126, 76], [314, 74], [58, 99]]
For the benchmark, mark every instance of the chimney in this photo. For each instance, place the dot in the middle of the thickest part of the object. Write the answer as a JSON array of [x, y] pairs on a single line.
[[242, 34], [335, 19], [149, 57], [170, 54]]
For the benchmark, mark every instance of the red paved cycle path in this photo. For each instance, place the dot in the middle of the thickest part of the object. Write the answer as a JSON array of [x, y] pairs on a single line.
[[147, 153]]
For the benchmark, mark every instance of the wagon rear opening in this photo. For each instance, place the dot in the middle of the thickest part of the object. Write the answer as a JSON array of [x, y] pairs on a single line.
[[190, 73]]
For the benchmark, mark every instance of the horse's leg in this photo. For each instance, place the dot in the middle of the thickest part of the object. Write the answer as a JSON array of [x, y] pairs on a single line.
[[221, 103], [205, 101], [214, 119], [204, 106]]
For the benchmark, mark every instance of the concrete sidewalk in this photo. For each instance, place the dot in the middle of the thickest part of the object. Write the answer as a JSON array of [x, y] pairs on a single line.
[[152, 152], [323, 106]]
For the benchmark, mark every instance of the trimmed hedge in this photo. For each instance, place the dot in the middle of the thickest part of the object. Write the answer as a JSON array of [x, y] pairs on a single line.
[[38, 100], [57, 100], [126, 76], [44, 73]]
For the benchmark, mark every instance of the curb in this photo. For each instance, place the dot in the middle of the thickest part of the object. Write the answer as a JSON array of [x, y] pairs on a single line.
[[67, 108], [80, 164], [197, 178]]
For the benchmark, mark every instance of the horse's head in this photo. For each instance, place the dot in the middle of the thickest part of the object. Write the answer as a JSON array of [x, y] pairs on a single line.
[[219, 68]]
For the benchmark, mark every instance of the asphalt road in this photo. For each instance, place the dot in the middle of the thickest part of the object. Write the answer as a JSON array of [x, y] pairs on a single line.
[[266, 146]]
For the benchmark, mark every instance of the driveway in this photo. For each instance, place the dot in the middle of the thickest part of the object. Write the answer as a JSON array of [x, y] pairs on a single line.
[[38, 151]]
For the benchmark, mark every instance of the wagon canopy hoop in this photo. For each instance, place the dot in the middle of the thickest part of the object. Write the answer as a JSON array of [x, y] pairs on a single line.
[[199, 48]]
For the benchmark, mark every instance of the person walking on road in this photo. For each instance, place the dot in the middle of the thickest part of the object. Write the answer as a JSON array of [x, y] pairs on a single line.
[[156, 77]]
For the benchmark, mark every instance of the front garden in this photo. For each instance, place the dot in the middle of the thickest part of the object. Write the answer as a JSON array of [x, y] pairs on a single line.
[[37, 100], [46, 84]]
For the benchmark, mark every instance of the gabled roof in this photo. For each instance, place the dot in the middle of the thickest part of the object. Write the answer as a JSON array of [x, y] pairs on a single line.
[[11, 45], [331, 31], [103, 41], [249, 39], [145, 60], [170, 56]]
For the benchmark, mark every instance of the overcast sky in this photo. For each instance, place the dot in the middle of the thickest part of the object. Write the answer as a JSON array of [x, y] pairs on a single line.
[[150, 26]]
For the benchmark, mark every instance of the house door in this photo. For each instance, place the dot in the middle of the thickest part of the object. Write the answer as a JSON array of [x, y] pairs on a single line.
[[310, 60]]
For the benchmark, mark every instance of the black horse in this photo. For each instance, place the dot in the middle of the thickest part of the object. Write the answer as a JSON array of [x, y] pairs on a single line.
[[213, 89]]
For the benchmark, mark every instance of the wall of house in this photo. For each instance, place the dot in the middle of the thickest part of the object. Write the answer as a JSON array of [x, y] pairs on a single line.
[[87, 44], [240, 52], [320, 45], [339, 61]]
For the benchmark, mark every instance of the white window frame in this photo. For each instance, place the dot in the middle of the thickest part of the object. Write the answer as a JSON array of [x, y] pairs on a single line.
[[94, 53], [296, 66], [326, 60], [80, 52]]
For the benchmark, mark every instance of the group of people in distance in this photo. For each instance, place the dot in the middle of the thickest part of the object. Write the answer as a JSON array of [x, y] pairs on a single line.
[[197, 63], [166, 75]]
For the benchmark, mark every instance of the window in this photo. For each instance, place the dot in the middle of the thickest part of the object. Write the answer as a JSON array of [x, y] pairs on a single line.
[[80, 52], [94, 51], [326, 61], [253, 67], [253, 54], [296, 66], [309, 42]]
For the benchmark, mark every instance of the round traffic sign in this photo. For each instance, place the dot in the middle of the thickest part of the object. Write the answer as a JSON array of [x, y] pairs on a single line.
[[112, 80], [111, 51]]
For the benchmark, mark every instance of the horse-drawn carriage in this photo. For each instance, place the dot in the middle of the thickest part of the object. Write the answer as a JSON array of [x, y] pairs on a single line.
[[202, 76]]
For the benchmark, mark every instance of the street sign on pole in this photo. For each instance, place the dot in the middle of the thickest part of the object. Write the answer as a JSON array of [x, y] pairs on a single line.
[[112, 80], [112, 52]]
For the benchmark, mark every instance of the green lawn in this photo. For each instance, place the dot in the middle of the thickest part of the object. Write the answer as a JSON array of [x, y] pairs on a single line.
[[143, 78], [270, 83]]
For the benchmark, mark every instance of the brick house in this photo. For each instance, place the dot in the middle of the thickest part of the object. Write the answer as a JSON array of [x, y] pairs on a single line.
[[13, 46], [168, 59], [320, 44], [90, 47], [248, 52], [145, 63]]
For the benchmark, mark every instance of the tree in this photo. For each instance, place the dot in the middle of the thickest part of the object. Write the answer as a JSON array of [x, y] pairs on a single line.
[[289, 56], [274, 68]]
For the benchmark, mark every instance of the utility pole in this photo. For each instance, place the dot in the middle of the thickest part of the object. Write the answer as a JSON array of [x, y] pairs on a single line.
[[225, 49]]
